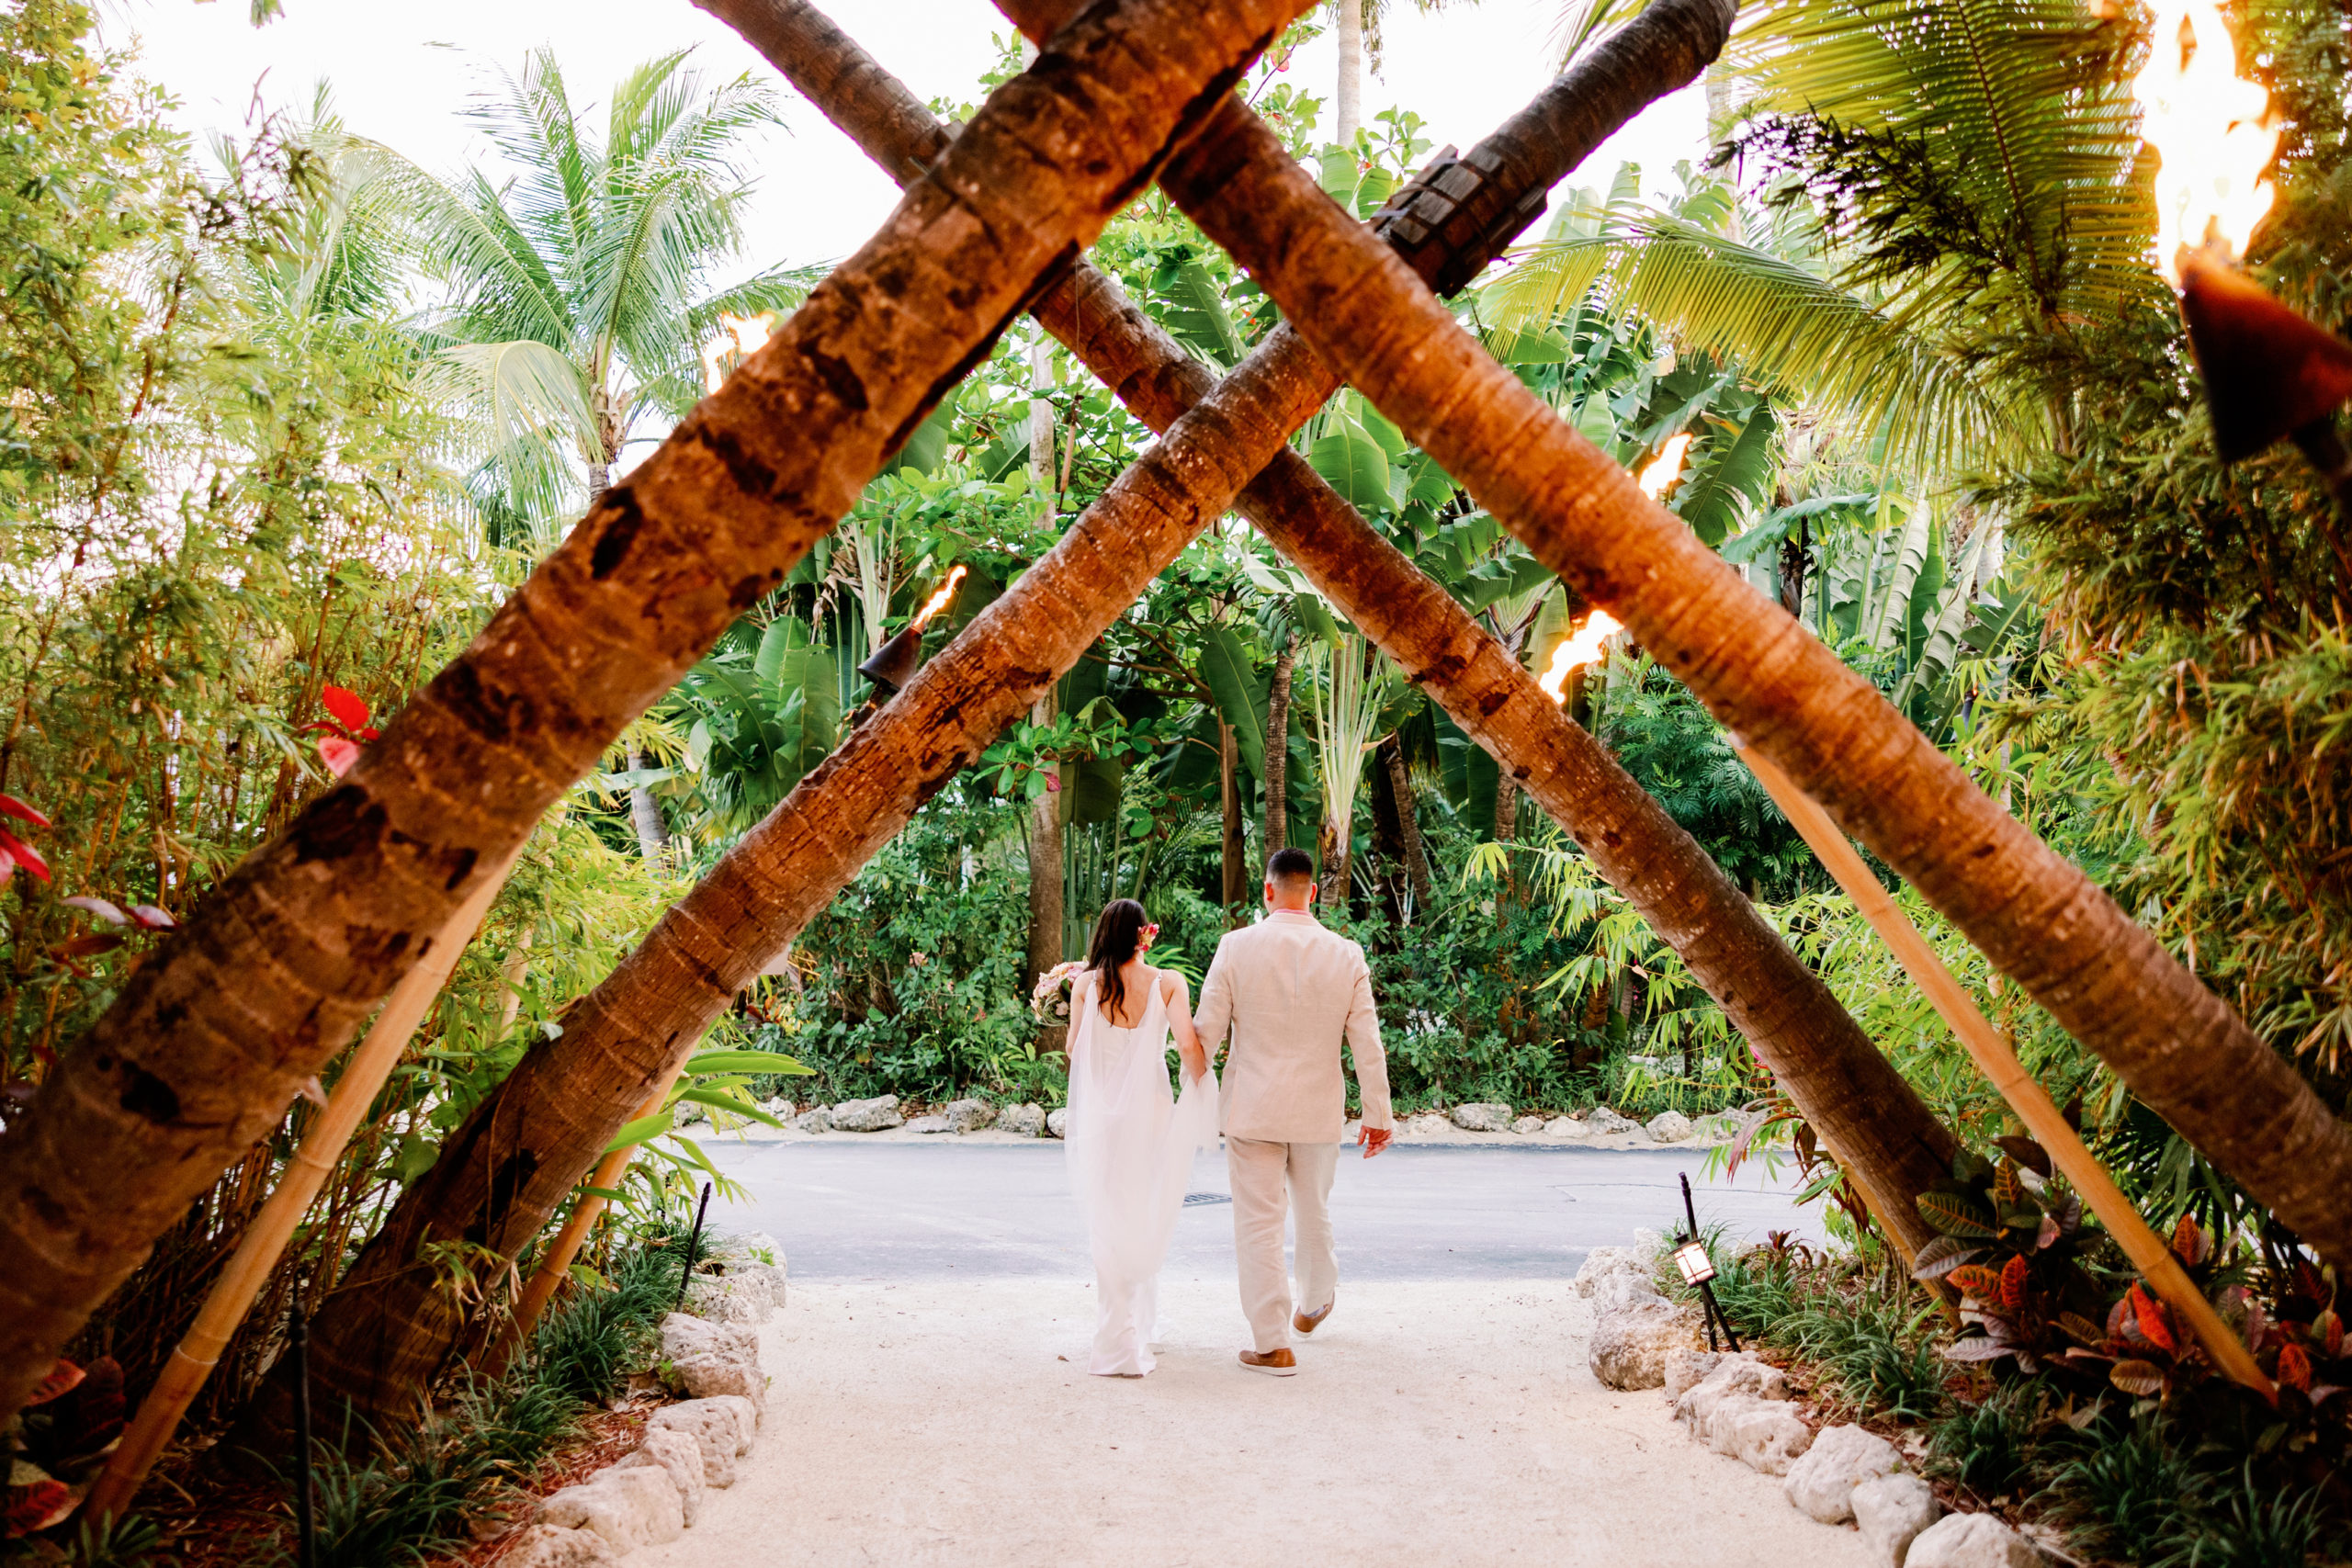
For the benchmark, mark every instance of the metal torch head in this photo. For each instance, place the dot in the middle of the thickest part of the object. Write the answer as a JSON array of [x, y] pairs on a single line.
[[2267, 371], [894, 663]]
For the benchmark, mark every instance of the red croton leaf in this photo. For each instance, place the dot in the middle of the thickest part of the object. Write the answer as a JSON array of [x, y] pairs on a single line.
[[23, 854], [2190, 1242], [2013, 1283], [2154, 1328], [105, 908], [1978, 1282], [349, 711], [153, 918], [64, 1378], [2294, 1368], [11, 807], [337, 753], [36, 1507], [2135, 1376]]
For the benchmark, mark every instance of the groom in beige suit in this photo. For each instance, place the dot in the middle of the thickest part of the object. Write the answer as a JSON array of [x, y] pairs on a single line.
[[1289, 991]]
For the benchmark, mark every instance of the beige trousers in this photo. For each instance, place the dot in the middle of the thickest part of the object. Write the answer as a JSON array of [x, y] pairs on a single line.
[[1260, 1173]]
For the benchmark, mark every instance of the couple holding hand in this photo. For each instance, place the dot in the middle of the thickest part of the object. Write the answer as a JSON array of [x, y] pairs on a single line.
[[1289, 992]]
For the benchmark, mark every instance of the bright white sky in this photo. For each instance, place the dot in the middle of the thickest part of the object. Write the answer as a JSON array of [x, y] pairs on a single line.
[[401, 73]]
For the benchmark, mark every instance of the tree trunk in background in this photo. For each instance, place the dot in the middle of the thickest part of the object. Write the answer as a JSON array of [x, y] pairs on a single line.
[[1332, 860], [1277, 780], [1348, 33], [1041, 424], [1234, 879], [1043, 842], [2033, 914], [645, 814], [1408, 822], [214, 1035]]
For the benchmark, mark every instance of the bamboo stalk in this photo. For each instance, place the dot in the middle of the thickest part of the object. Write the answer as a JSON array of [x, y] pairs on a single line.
[[556, 1262], [266, 1238], [1994, 1057]]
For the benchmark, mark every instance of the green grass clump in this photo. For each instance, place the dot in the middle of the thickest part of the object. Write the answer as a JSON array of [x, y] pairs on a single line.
[[1987, 1447]]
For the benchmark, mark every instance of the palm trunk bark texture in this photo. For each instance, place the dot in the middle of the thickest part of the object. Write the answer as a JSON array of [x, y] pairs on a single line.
[[215, 1034], [2035, 915]]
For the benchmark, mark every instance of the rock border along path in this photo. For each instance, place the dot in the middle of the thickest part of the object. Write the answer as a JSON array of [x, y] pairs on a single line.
[[1740, 1405], [654, 1495]]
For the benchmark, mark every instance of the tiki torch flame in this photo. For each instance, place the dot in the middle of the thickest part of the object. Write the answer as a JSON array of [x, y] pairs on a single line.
[[738, 337], [2208, 127], [1580, 649], [1659, 475], [937, 602]]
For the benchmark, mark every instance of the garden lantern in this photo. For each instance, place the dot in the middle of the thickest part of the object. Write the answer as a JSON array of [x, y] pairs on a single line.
[[1692, 1258]]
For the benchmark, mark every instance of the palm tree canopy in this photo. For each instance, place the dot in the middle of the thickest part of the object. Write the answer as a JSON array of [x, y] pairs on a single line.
[[578, 283]]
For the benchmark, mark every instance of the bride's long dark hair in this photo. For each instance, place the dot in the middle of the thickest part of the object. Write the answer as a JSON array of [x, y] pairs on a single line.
[[1117, 935]]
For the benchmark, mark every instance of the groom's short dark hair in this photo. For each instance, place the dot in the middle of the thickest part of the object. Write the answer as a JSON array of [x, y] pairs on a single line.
[[1289, 867]]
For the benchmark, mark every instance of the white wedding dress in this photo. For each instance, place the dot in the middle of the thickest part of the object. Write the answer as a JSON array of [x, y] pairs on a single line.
[[1130, 1144]]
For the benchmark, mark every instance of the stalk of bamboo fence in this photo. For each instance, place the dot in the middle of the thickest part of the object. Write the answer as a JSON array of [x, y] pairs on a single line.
[[1990, 1051], [557, 1261], [248, 1269]]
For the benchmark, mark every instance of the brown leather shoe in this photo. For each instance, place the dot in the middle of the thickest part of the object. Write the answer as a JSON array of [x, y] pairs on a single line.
[[1276, 1364], [1308, 1321]]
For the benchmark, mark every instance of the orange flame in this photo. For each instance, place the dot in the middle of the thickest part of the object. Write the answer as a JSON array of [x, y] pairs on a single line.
[[2207, 125], [1659, 475], [937, 602], [1580, 649], [738, 337]]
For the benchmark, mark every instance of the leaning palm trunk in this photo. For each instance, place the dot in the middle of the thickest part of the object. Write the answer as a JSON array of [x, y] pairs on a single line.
[[2036, 916], [213, 1036], [384, 1331]]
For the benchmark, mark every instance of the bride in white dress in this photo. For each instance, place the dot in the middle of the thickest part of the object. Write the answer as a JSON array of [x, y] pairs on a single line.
[[1129, 1140]]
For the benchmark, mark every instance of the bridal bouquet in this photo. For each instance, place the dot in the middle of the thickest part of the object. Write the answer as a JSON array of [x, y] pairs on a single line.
[[1049, 999]]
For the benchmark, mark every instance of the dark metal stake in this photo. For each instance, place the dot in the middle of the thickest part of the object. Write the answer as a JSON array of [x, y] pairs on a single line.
[[1714, 1312], [298, 1341], [693, 1242]]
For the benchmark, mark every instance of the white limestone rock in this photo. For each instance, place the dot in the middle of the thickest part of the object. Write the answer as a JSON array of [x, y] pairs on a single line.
[[730, 1297], [1669, 1127], [1630, 1343], [1527, 1125], [1821, 1485], [1021, 1121], [1686, 1369], [677, 1456], [721, 1428], [1604, 1263], [629, 1507], [1971, 1540], [1484, 1117], [1566, 1127], [684, 1337], [1623, 1290], [708, 1377], [1605, 1121], [1768, 1439], [1892, 1510], [968, 1115], [927, 1124], [552, 1546], [1736, 1375], [878, 1115], [1056, 1120], [1429, 1124], [816, 1119]]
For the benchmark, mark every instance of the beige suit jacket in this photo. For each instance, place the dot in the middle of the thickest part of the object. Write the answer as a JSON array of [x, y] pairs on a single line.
[[1289, 991]]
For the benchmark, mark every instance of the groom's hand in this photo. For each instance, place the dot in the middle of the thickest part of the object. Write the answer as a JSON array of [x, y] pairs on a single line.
[[1373, 1139]]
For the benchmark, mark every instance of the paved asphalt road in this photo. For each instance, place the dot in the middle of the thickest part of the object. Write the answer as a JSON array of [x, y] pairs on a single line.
[[845, 1210]]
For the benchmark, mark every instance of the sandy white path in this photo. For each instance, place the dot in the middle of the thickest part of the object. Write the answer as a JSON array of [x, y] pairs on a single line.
[[1433, 1423]]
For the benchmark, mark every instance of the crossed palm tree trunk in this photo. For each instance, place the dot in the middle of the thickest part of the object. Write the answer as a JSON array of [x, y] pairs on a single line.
[[215, 1033], [1368, 315]]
